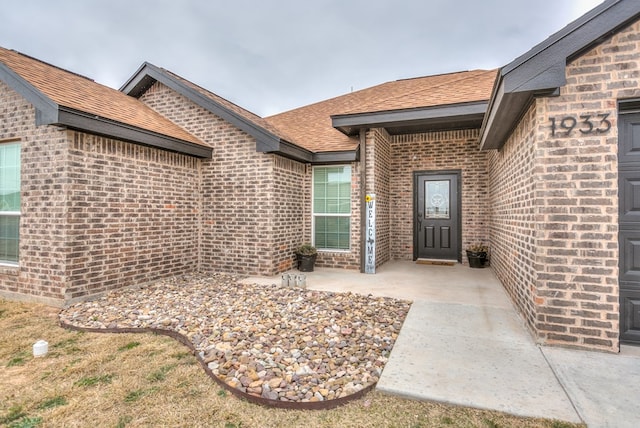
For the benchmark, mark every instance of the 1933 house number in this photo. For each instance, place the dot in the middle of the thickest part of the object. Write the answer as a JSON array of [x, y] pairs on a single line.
[[586, 124]]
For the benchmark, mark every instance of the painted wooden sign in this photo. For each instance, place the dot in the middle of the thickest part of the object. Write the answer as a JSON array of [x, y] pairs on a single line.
[[370, 234]]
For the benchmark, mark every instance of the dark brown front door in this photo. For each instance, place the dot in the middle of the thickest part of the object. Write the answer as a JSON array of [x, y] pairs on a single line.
[[437, 216], [629, 230]]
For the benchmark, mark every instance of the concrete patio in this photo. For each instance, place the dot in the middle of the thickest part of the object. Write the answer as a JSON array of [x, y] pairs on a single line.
[[463, 343]]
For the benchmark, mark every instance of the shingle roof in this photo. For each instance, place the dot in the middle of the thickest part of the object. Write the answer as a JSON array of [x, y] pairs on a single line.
[[82, 94], [311, 126]]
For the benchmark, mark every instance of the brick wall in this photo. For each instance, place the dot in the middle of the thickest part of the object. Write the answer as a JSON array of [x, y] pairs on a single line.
[[288, 216], [568, 289], [97, 214], [513, 215], [241, 192], [378, 164], [41, 275], [581, 255], [133, 214], [437, 151]]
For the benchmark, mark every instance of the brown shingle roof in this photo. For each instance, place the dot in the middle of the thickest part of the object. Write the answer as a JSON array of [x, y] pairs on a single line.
[[310, 126], [80, 93]]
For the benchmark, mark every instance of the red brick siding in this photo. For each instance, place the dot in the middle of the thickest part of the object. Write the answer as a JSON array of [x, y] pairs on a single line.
[[437, 151], [133, 214]]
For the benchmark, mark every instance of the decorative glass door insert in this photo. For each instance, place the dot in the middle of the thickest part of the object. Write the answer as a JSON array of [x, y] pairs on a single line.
[[437, 199]]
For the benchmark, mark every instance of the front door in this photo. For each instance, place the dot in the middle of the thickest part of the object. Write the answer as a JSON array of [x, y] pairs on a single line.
[[629, 222], [437, 216]]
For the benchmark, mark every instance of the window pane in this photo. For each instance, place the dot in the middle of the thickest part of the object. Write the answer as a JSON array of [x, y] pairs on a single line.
[[9, 201], [332, 195], [10, 177], [332, 233], [9, 233], [332, 190]]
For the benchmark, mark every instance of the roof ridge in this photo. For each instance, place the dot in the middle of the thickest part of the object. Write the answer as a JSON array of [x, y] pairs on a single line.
[[440, 85], [437, 75], [355, 93]]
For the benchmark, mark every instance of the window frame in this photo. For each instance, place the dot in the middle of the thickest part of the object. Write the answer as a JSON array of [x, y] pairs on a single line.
[[314, 215], [14, 213]]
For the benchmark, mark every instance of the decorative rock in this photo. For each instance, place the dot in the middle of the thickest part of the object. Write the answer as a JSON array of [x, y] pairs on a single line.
[[279, 343], [275, 382]]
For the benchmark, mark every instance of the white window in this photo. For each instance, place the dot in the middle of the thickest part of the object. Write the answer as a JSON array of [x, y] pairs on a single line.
[[9, 202], [332, 207]]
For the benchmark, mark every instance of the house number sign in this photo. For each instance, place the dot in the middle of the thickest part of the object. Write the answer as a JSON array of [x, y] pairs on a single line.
[[584, 124]]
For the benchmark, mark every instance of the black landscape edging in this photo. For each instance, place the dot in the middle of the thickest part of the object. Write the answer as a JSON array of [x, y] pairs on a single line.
[[294, 405]]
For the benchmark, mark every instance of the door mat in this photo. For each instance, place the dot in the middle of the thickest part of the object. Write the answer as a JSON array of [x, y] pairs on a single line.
[[435, 262]]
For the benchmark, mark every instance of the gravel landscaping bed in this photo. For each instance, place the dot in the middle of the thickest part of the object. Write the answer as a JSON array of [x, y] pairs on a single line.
[[277, 343]]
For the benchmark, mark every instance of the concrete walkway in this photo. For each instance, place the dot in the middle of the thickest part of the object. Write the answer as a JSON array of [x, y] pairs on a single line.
[[463, 343]]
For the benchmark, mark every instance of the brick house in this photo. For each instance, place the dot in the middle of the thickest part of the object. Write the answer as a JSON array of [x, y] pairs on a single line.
[[103, 189]]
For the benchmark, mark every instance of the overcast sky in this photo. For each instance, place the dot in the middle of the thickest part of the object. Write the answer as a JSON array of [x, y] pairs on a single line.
[[272, 56]]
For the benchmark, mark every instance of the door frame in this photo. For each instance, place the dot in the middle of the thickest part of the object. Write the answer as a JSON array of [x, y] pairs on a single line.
[[417, 174], [628, 226]]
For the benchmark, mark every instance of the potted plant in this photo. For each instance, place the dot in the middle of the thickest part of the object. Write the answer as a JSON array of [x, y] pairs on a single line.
[[306, 255], [477, 255]]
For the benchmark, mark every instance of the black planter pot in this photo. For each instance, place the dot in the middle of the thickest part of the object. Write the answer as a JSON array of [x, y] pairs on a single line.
[[306, 263], [476, 259]]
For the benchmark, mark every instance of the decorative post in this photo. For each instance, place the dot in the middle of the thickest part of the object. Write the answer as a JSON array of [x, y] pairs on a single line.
[[370, 243]]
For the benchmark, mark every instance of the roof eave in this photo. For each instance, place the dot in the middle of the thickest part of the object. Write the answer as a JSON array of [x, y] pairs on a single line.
[[541, 70], [297, 153], [508, 105], [46, 108], [99, 125], [285, 149], [336, 157], [48, 112], [411, 120]]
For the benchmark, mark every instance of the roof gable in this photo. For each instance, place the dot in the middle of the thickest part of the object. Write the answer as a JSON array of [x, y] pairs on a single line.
[[541, 70], [269, 138], [64, 98]]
